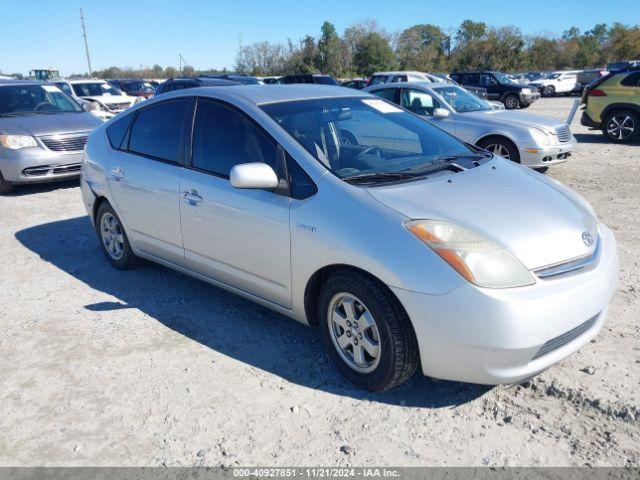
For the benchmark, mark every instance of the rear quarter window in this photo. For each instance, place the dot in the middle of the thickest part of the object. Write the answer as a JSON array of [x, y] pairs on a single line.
[[117, 131], [632, 80]]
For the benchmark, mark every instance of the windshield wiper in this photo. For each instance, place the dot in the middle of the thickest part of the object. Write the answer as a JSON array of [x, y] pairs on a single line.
[[378, 176], [445, 163]]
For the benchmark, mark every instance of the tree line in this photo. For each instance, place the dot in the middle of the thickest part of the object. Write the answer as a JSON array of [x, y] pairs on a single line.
[[364, 48]]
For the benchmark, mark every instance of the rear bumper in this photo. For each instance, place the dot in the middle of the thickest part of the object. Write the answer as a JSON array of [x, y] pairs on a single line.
[[497, 336], [36, 164], [587, 121], [536, 156]]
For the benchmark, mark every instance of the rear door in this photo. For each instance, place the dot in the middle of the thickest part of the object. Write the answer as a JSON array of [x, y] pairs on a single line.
[[488, 81], [237, 236], [144, 178]]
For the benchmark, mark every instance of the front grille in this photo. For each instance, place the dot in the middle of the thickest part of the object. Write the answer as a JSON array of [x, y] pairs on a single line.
[[562, 340], [70, 143], [563, 133], [583, 263], [117, 107], [43, 170]]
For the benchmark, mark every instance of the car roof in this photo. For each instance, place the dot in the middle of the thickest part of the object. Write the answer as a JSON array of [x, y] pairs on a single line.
[[427, 85], [86, 80], [400, 72], [263, 94], [20, 82]]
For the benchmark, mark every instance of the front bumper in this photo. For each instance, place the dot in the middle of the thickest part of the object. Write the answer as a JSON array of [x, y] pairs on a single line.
[[497, 336], [37, 164], [537, 156]]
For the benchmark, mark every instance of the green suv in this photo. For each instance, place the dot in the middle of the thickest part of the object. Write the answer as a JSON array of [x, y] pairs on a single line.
[[612, 104]]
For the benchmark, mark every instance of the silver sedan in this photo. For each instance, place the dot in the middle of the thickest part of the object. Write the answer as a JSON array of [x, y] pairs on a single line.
[[531, 140], [405, 246]]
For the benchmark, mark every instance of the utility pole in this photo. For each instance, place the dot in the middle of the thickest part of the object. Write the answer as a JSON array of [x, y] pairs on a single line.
[[86, 45], [182, 61]]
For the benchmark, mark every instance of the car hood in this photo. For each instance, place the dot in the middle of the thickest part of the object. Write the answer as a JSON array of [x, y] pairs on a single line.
[[540, 221], [508, 118], [49, 124]]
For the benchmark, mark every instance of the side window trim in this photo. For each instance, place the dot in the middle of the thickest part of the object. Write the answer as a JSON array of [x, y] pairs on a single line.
[[183, 133]]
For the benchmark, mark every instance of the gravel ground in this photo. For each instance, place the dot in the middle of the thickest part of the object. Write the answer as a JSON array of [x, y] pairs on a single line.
[[150, 367]]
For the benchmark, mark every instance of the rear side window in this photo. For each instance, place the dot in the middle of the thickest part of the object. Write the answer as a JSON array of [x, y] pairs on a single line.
[[632, 80], [117, 131], [157, 131], [223, 138]]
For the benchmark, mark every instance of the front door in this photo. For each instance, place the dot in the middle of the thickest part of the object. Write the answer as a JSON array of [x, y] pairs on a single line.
[[237, 236], [144, 179]]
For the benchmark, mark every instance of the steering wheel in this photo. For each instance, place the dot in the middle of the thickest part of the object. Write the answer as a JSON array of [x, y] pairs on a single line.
[[373, 150], [43, 105]]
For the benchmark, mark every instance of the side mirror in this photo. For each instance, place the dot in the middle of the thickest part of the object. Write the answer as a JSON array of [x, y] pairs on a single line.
[[253, 175], [440, 113]]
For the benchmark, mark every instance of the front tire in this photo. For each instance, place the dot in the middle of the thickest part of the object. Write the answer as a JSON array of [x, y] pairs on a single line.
[[366, 331], [501, 146], [113, 239], [5, 187], [511, 102], [621, 126]]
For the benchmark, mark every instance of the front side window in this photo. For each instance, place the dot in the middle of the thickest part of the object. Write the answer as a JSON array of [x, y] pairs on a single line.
[[387, 94], [95, 89], [487, 80], [419, 102], [35, 99], [461, 100], [223, 138], [363, 135], [325, 80], [157, 130]]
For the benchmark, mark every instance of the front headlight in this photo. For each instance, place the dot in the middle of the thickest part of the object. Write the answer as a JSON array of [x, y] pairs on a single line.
[[540, 136], [526, 91], [477, 259], [14, 142]]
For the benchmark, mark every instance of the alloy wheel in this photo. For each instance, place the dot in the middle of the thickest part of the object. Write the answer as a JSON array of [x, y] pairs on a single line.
[[621, 126], [354, 332], [499, 149], [112, 236]]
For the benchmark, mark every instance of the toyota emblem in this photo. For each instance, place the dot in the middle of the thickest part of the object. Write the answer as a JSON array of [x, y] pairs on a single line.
[[587, 238]]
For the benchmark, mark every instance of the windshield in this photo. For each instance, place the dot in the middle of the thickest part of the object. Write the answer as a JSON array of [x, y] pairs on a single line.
[[502, 78], [354, 136], [95, 89], [461, 100], [34, 99], [138, 87]]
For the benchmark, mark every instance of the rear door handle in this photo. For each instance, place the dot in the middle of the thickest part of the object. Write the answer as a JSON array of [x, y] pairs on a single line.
[[117, 173], [192, 197]]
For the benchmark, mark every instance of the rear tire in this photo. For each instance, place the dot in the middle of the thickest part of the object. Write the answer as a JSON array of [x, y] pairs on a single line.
[[5, 187], [549, 91], [501, 146], [113, 239], [359, 314], [621, 126]]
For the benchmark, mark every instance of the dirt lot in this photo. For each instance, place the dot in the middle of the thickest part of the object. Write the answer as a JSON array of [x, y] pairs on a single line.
[[150, 367]]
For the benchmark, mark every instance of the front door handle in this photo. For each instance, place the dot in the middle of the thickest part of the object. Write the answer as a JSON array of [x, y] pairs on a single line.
[[117, 173], [192, 197]]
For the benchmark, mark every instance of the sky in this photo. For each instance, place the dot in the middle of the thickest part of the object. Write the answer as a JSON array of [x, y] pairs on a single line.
[[134, 33]]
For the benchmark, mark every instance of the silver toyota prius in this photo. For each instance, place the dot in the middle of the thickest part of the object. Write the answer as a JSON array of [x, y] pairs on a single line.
[[42, 134], [406, 248]]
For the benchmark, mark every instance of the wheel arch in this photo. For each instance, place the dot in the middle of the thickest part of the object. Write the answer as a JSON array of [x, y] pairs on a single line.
[[316, 281], [499, 135], [619, 106]]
